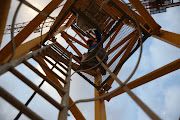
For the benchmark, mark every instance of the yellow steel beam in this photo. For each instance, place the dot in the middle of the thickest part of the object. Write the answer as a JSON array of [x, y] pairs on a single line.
[[169, 37], [121, 42], [143, 106], [112, 12], [85, 41], [68, 24], [126, 53], [106, 22], [62, 12], [4, 5], [64, 9], [71, 44], [74, 110], [118, 54], [25, 48], [107, 86], [107, 28], [114, 36], [175, 65], [100, 111], [28, 29], [130, 47], [71, 20], [57, 19], [77, 41], [129, 12], [90, 72], [75, 58], [146, 16], [28, 46]]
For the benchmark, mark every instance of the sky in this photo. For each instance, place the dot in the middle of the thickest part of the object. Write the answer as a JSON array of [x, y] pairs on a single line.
[[161, 95]]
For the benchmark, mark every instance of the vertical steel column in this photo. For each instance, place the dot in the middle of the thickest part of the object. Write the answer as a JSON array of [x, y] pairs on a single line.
[[100, 111], [143, 106], [65, 99], [4, 5]]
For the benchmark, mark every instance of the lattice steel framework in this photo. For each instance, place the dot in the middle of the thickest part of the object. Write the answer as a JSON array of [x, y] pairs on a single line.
[[123, 32]]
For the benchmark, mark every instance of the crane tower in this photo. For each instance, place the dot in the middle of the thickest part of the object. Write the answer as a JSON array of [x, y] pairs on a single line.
[[124, 28]]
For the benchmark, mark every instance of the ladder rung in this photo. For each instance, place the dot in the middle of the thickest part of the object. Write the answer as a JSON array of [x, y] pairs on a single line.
[[4, 68], [16, 103], [35, 88], [45, 78], [53, 64], [59, 52], [65, 68], [58, 57], [28, 101], [47, 68]]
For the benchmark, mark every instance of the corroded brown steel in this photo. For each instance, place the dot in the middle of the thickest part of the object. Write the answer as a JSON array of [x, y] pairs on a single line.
[[106, 22], [71, 20], [22, 35], [175, 65]]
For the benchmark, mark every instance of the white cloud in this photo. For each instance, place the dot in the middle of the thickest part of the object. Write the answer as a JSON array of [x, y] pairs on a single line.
[[162, 53], [160, 95], [172, 107]]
